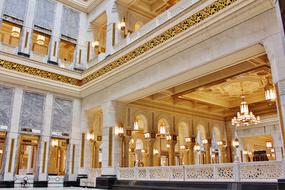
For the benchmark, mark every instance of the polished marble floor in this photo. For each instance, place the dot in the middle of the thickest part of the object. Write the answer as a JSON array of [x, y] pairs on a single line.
[[53, 188]]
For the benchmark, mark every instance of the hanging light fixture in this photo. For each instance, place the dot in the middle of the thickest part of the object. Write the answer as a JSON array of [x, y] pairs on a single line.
[[236, 143], [123, 24], [162, 129], [95, 44], [269, 91], [244, 117], [136, 125], [41, 40], [197, 147], [15, 32]]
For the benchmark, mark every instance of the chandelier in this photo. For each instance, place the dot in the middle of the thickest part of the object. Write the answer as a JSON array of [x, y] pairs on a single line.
[[15, 32], [41, 40], [269, 91], [244, 117]]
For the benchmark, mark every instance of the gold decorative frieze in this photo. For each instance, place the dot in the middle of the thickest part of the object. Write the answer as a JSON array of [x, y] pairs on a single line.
[[38, 72], [156, 41]]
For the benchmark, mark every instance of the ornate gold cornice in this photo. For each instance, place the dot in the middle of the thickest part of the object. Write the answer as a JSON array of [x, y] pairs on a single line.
[[156, 41], [39, 72]]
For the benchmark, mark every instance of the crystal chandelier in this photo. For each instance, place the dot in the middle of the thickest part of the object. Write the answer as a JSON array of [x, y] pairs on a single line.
[[244, 117]]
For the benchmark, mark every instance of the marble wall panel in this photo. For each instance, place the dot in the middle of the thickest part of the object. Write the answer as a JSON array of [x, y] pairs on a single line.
[[62, 115], [32, 111], [44, 16], [6, 100], [15, 8], [70, 23]]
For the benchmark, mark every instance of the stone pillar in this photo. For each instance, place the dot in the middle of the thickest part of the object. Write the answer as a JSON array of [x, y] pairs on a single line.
[[207, 152], [150, 144], [221, 153], [81, 48], [126, 151], [113, 35], [55, 38], [171, 151], [26, 34], [9, 165], [275, 53], [42, 170], [113, 115], [73, 148]]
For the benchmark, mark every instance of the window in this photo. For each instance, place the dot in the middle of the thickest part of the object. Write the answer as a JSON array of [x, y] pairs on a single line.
[[66, 51], [10, 34], [40, 43]]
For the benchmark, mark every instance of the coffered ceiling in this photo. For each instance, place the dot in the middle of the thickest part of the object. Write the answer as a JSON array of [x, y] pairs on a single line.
[[219, 93], [149, 8]]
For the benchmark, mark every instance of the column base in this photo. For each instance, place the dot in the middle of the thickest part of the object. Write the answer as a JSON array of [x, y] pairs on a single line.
[[281, 184], [106, 181], [40, 184], [24, 54], [70, 184], [52, 62], [7, 184]]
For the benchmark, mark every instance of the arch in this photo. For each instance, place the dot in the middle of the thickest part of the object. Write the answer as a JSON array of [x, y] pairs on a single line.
[[141, 122], [183, 131], [216, 133], [163, 122]]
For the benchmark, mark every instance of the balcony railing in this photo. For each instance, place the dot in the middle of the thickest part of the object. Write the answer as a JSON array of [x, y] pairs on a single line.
[[269, 171], [156, 22]]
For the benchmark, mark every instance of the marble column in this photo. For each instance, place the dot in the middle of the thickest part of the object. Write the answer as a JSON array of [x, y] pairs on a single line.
[[26, 34], [81, 48], [12, 137], [150, 145], [221, 153], [275, 53], [171, 152], [73, 151], [113, 114], [207, 152], [113, 32], [42, 172], [55, 38]]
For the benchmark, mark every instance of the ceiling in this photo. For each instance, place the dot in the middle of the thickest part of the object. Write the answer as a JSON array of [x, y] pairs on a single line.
[[219, 93], [148, 8], [82, 5]]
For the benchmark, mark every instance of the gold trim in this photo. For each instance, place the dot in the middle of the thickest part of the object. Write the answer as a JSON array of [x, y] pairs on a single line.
[[165, 36], [44, 158], [114, 34], [38, 72], [73, 158], [54, 48], [88, 52], [110, 147], [79, 61], [82, 150], [26, 39], [156, 41], [11, 155]]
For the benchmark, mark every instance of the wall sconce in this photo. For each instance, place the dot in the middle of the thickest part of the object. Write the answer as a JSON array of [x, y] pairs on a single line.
[[155, 151], [220, 143], [272, 150], [120, 131], [167, 145], [168, 137], [123, 25], [16, 32], [96, 45], [182, 147], [147, 135], [54, 142], [236, 143], [41, 40], [269, 91], [90, 137], [197, 147], [245, 152], [204, 141], [187, 139], [142, 151], [268, 155], [268, 144]]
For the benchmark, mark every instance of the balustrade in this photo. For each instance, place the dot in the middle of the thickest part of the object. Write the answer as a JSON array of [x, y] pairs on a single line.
[[267, 171]]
